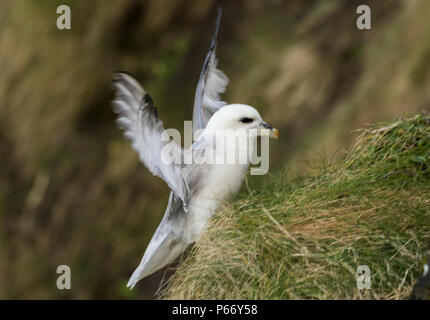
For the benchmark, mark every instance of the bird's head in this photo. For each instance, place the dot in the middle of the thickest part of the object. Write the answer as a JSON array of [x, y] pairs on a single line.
[[238, 117]]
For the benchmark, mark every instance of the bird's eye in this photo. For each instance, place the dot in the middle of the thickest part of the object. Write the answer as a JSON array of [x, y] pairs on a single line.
[[246, 120]]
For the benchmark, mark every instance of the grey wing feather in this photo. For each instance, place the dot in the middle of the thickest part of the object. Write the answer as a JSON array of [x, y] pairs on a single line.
[[211, 84], [166, 244], [139, 119]]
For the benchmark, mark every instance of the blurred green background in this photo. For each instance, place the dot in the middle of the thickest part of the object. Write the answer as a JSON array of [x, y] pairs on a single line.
[[72, 190]]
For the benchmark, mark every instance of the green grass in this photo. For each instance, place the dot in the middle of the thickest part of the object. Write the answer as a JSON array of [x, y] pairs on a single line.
[[304, 238]]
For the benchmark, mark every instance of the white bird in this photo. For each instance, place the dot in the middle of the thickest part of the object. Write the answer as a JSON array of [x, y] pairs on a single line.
[[197, 190]]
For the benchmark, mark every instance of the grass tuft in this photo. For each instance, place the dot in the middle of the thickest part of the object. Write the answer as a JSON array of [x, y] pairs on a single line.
[[304, 238]]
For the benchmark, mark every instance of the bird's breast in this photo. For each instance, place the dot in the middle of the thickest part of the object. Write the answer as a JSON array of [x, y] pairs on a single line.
[[221, 183]]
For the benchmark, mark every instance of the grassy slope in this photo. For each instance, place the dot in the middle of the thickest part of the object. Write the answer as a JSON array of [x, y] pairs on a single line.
[[305, 237]]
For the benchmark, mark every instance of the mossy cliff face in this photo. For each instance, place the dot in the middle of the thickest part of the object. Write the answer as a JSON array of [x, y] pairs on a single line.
[[305, 238], [71, 188]]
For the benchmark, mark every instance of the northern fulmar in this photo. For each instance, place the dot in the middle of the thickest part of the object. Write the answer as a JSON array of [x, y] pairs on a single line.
[[197, 189]]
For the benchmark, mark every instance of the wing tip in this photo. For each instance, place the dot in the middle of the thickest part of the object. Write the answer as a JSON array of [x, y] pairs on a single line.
[[217, 24], [124, 76], [118, 75], [218, 14], [124, 80], [135, 277], [131, 284]]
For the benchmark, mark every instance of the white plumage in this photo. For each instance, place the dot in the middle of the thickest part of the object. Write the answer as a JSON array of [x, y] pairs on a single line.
[[197, 189]]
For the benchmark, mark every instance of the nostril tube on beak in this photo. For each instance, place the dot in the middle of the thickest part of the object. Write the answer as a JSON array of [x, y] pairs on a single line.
[[266, 125], [269, 130]]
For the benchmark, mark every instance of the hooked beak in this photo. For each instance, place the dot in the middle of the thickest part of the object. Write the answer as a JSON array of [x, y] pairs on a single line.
[[267, 130]]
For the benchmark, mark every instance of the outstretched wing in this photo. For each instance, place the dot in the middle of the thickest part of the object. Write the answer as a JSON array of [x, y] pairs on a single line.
[[211, 84], [166, 244], [139, 119]]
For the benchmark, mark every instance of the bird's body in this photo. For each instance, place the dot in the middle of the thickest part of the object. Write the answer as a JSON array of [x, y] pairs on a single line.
[[199, 188], [212, 185]]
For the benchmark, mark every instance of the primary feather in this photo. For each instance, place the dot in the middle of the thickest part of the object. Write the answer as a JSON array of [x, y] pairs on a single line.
[[139, 119], [212, 83]]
